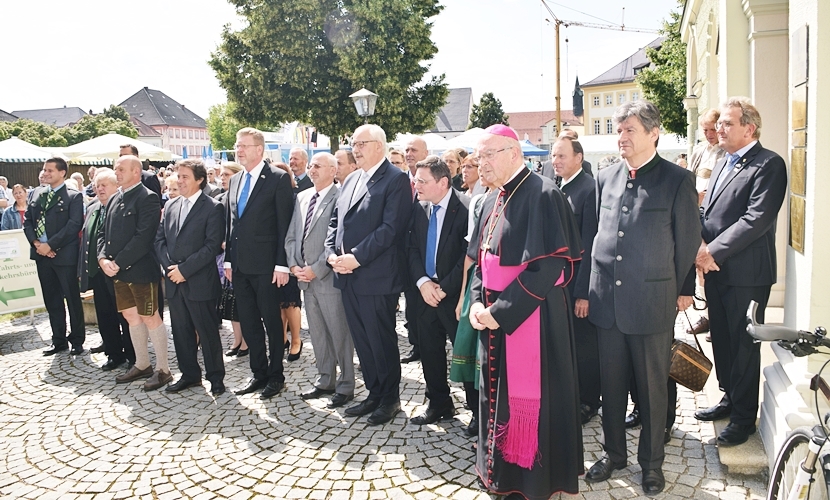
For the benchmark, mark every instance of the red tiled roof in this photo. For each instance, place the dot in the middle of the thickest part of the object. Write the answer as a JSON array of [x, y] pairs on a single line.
[[531, 122]]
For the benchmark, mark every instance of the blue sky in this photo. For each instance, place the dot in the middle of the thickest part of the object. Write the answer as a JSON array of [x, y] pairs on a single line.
[[92, 53]]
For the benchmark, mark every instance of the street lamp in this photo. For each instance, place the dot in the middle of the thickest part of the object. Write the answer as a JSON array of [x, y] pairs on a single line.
[[364, 102]]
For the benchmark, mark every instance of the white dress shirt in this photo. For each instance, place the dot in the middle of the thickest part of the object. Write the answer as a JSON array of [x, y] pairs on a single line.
[[444, 203]]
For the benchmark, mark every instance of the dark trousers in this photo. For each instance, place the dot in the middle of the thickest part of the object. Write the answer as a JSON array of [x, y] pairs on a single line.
[[671, 407], [59, 283], [371, 320], [737, 358], [414, 303], [115, 331], [435, 324], [587, 361], [647, 357], [258, 301], [186, 318]]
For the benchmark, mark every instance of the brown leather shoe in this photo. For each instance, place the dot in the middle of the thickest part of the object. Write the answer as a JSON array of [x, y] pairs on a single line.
[[159, 379], [134, 374], [701, 326]]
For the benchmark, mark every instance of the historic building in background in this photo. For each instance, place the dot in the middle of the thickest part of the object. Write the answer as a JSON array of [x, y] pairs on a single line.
[[180, 128]]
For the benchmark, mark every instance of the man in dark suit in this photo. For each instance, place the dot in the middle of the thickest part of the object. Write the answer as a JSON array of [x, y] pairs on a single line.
[[581, 191], [437, 247], [114, 329], [414, 151], [738, 214], [547, 167], [125, 254], [298, 162], [366, 248], [258, 211], [305, 246], [641, 275], [53, 219], [188, 239]]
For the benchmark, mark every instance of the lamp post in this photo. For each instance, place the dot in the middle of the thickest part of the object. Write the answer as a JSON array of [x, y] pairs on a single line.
[[364, 102]]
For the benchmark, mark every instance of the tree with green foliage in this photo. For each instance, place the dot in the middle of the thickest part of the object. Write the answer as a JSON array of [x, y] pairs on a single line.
[[222, 126], [117, 112], [487, 112], [664, 84], [90, 126], [297, 60], [37, 133]]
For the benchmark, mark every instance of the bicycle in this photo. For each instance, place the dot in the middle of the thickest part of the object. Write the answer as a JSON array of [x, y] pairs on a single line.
[[795, 475]]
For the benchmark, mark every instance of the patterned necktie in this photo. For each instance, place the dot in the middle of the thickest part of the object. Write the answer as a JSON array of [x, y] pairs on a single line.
[[733, 159], [243, 198], [41, 221], [309, 216], [432, 241]]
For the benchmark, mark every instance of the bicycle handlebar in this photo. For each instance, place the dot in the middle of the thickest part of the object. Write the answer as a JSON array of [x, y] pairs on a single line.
[[768, 333]]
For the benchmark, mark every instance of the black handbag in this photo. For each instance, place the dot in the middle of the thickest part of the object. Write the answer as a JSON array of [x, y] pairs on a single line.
[[689, 366], [227, 303]]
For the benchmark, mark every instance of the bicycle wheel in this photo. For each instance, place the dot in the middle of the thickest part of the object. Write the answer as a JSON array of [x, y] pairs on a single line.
[[788, 463]]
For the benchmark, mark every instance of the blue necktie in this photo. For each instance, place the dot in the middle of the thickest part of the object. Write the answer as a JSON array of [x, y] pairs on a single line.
[[432, 241], [730, 164], [243, 198]]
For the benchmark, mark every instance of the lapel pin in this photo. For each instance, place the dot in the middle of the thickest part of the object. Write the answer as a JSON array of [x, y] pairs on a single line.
[[262, 176]]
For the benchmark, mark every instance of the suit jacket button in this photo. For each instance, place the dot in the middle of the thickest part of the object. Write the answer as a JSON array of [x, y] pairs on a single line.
[[629, 185], [620, 234], [618, 283], [619, 258], [625, 210]]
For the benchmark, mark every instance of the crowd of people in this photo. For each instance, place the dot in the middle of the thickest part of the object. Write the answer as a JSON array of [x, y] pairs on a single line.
[[557, 289]]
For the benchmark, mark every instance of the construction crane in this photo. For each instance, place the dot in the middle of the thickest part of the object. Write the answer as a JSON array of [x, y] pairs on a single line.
[[559, 22]]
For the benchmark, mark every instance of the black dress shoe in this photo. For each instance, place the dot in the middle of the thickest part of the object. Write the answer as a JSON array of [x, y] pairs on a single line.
[[587, 413], [295, 356], [601, 471], [383, 414], [716, 412], [112, 364], [632, 420], [253, 385], [339, 400], [472, 429], [735, 434], [365, 407], [434, 414], [217, 389], [77, 350], [413, 355], [653, 481], [316, 393], [182, 384], [53, 349], [271, 390], [242, 353], [97, 349]]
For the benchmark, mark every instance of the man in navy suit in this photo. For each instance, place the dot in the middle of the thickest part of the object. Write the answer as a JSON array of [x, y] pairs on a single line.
[[53, 220], [739, 211], [258, 210], [366, 249]]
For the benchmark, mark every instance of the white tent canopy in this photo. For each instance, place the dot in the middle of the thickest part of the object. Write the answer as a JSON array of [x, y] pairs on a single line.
[[108, 146], [435, 143], [14, 150], [466, 140]]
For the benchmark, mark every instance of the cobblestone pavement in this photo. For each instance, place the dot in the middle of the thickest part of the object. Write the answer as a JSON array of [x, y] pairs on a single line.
[[68, 431]]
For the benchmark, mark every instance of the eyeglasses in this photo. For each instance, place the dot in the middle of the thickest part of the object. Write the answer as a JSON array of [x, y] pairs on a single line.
[[489, 155], [243, 146], [361, 144], [317, 166], [421, 182]]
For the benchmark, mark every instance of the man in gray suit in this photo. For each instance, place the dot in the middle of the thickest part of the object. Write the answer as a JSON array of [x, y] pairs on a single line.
[[738, 214], [305, 249], [641, 275]]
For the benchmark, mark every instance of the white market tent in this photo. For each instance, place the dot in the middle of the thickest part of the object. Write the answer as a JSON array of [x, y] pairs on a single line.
[[14, 150], [107, 147], [435, 143]]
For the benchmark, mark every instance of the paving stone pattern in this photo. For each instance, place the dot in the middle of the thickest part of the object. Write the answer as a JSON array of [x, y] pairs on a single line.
[[68, 431]]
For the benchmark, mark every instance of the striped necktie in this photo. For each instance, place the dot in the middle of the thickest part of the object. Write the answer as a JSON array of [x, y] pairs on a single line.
[[309, 216], [41, 221]]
